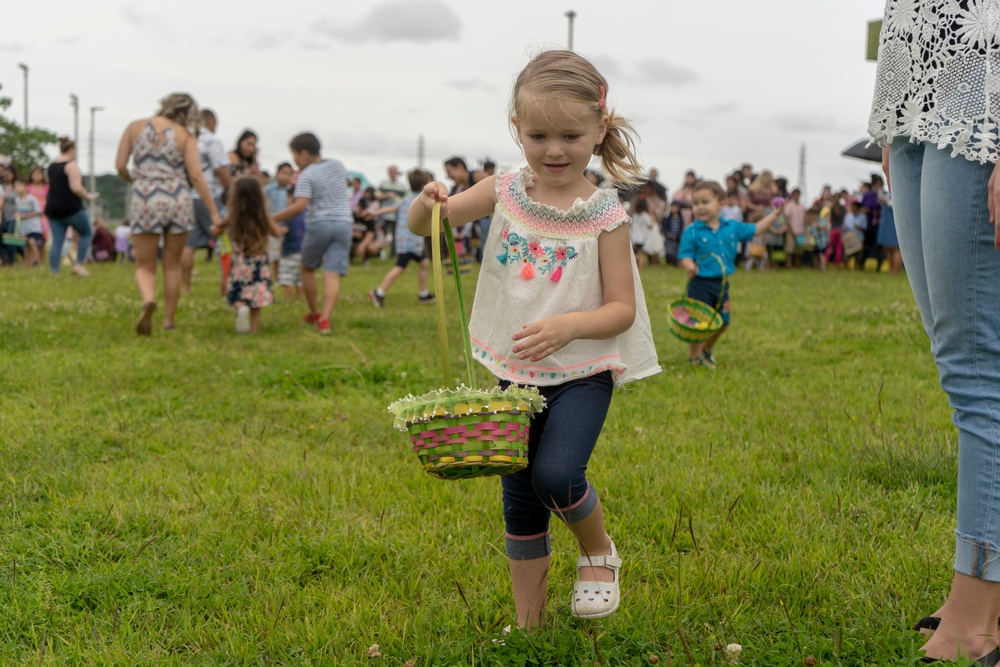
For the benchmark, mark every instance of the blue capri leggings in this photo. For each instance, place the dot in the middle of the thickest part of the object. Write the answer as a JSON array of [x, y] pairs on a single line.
[[562, 437]]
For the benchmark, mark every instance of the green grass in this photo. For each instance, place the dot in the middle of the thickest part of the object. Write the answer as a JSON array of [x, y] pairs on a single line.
[[200, 498]]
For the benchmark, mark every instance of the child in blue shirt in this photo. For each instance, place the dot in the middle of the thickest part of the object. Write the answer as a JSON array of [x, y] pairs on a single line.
[[709, 247]]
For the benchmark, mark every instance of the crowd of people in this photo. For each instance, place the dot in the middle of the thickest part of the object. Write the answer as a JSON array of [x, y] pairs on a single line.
[[843, 228]]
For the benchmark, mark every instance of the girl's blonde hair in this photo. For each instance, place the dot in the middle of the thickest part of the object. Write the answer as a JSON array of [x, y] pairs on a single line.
[[569, 77], [182, 109], [764, 179], [247, 217]]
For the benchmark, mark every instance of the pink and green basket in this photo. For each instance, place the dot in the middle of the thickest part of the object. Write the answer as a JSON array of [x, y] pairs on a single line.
[[465, 432]]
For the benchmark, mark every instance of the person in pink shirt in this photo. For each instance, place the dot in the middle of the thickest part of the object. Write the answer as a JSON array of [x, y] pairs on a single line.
[[795, 214], [38, 187]]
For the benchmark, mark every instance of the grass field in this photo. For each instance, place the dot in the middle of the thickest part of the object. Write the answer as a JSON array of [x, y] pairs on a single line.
[[200, 498]]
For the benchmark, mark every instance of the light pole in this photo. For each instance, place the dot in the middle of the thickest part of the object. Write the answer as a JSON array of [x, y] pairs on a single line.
[[24, 68], [570, 15], [74, 102], [93, 181]]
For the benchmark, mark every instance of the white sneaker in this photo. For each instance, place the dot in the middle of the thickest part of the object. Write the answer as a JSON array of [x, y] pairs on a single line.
[[243, 320]]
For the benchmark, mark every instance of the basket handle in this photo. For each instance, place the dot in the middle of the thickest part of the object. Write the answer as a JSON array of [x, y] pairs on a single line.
[[436, 224]]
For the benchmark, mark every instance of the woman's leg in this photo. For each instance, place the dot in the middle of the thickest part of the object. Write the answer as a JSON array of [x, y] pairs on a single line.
[[146, 248], [58, 227], [80, 222], [173, 249], [254, 319], [947, 243]]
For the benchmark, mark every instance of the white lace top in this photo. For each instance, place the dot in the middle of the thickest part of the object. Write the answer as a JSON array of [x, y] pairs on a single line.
[[938, 77], [540, 261]]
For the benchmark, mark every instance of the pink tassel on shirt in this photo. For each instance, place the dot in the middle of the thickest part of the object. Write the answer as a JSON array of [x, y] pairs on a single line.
[[556, 275], [527, 272]]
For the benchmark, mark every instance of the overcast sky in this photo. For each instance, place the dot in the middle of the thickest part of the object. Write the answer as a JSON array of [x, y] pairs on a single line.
[[708, 85]]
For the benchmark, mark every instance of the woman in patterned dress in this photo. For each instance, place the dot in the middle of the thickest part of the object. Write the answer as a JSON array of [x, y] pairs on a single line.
[[935, 113], [164, 153]]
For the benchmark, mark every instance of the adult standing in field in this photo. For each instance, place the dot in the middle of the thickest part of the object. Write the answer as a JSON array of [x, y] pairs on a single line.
[[458, 172], [215, 169], [165, 159], [243, 158], [64, 207], [682, 197], [935, 113]]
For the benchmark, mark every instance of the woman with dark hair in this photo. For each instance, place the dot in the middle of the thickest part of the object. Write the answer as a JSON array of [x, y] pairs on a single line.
[[164, 152], [243, 158], [64, 207]]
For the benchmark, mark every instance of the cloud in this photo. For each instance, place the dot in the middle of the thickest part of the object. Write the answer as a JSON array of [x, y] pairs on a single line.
[[419, 21], [470, 84], [805, 122], [662, 71], [132, 15], [12, 47], [269, 40]]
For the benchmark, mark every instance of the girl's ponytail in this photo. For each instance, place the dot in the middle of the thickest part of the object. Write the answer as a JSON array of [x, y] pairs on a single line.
[[617, 151]]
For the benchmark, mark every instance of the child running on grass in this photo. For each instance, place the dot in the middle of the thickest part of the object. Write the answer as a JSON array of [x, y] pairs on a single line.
[[322, 189], [559, 305], [704, 244], [409, 246], [249, 227]]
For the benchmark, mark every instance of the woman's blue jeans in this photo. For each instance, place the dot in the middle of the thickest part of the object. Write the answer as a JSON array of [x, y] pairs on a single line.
[[946, 239], [80, 222], [561, 440]]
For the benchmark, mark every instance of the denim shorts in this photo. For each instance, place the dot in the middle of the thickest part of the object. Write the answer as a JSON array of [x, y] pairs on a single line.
[[707, 291], [327, 243]]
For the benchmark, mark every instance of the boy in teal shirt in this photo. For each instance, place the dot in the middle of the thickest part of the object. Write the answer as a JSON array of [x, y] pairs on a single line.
[[708, 248]]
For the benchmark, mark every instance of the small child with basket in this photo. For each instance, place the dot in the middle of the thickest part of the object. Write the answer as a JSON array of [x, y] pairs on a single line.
[[559, 306], [708, 255]]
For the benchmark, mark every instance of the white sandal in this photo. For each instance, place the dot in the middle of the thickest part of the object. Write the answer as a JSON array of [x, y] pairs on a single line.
[[597, 599]]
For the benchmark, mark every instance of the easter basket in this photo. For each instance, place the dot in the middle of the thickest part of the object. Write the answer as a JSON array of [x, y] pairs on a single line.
[[464, 432], [15, 239], [695, 321]]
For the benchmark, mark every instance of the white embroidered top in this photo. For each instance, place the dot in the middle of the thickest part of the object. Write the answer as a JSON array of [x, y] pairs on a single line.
[[540, 261], [938, 77]]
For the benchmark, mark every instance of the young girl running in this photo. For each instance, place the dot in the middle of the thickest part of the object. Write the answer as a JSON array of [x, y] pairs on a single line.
[[248, 225], [559, 305]]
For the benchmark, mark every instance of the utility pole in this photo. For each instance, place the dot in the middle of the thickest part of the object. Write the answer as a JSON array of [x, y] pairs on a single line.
[[420, 152], [74, 102], [570, 15], [802, 170], [93, 180], [24, 68]]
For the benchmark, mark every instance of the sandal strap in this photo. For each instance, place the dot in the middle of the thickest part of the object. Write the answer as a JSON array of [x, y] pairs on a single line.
[[609, 561]]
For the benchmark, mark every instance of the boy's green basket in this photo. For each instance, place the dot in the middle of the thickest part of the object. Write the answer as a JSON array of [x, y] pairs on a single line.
[[464, 432], [15, 239], [695, 321]]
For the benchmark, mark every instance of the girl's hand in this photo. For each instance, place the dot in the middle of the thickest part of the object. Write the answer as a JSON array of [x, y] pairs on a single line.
[[216, 230], [542, 338], [433, 193], [691, 271]]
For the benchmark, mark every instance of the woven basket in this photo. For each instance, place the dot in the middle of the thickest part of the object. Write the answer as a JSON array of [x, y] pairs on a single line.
[[464, 432], [695, 321]]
